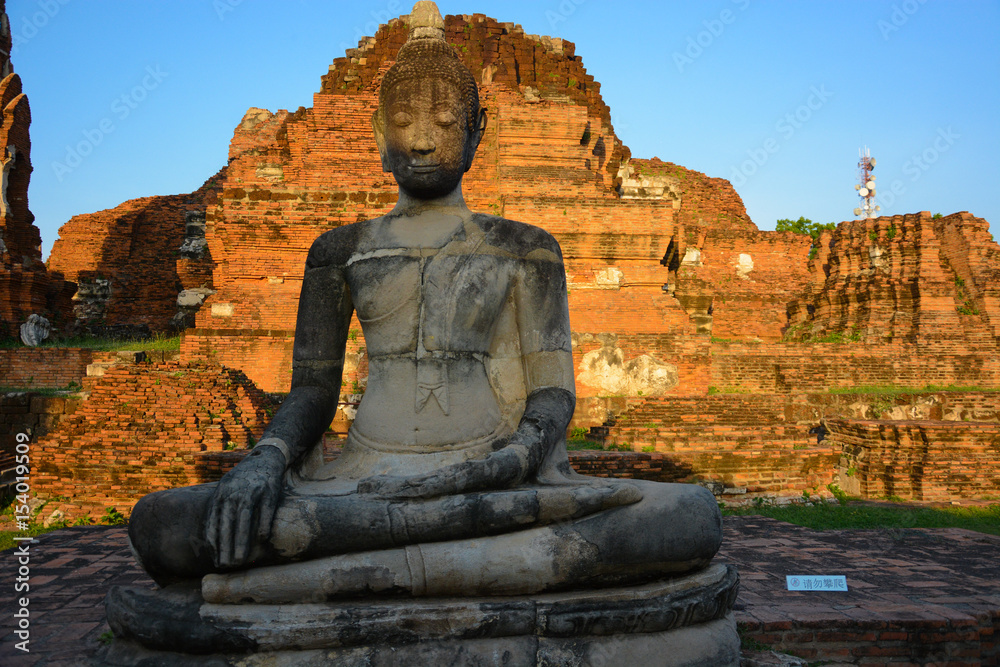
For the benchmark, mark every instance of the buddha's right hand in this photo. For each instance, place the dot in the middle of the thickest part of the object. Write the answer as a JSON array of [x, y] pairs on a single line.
[[241, 511]]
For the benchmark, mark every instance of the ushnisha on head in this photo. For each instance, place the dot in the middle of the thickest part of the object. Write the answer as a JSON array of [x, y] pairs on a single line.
[[429, 122]]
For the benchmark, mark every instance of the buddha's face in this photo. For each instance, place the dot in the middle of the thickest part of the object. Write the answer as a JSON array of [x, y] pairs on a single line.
[[424, 138]]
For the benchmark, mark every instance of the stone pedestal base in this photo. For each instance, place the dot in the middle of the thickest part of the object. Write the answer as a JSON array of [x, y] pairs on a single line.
[[681, 622]]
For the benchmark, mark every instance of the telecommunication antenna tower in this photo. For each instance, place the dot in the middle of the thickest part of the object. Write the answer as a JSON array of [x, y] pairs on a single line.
[[866, 186]]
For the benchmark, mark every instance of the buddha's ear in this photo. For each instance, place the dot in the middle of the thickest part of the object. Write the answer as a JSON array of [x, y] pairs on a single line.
[[475, 136], [379, 128]]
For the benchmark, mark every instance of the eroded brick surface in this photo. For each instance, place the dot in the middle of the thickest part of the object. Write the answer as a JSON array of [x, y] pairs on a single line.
[[919, 460], [136, 247], [906, 279], [143, 428]]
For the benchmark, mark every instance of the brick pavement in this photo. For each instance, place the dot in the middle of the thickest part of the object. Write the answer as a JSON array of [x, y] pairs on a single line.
[[916, 596]]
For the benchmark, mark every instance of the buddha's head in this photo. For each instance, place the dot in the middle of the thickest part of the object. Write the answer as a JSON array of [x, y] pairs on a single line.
[[429, 122]]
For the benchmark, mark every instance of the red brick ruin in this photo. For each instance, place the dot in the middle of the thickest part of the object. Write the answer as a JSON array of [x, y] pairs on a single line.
[[704, 344]]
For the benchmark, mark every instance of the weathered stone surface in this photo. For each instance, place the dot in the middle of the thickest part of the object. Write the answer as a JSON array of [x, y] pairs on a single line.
[[194, 246], [189, 302], [35, 330], [771, 659], [192, 298], [612, 623], [90, 301], [607, 371], [712, 644]]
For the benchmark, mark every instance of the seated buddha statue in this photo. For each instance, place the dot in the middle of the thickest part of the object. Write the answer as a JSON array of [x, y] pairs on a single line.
[[454, 478]]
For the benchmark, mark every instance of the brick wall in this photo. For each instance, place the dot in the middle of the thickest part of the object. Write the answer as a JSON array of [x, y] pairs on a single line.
[[658, 257], [965, 642], [21, 238], [549, 157], [135, 246], [910, 278], [43, 367], [57, 367], [790, 367], [743, 441], [918, 460], [144, 428], [33, 414], [266, 356], [767, 444]]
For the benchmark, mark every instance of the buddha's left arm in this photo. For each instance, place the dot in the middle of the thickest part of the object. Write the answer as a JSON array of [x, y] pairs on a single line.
[[542, 307]]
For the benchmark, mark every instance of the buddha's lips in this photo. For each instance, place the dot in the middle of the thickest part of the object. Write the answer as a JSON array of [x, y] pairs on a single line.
[[423, 168]]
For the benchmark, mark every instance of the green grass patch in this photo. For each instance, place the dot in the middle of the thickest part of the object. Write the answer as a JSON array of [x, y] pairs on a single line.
[[854, 515], [112, 517], [712, 391], [7, 536], [578, 444], [159, 343], [852, 336], [72, 387]]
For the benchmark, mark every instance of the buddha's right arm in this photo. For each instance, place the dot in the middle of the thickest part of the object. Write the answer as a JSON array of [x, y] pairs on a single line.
[[321, 331], [247, 497]]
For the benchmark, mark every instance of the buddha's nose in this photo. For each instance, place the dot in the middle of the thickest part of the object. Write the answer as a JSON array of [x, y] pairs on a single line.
[[423, 145]]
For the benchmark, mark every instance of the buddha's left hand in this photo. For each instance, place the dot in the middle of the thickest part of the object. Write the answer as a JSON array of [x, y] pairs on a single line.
[[546, 414], [501, 469]]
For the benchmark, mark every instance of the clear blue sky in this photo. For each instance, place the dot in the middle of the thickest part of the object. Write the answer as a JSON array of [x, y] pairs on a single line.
[[777, 96]]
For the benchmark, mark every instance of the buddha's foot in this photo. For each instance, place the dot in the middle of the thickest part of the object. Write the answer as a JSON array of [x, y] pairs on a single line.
[[168, 617]]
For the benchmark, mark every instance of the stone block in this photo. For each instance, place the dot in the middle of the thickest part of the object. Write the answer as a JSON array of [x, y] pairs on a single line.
[[48, 405], [98, 368], [131, 356]]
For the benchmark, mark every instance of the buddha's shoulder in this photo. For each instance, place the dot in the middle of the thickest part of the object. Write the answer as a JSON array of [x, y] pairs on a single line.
[[519, 238], [335, 247]]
